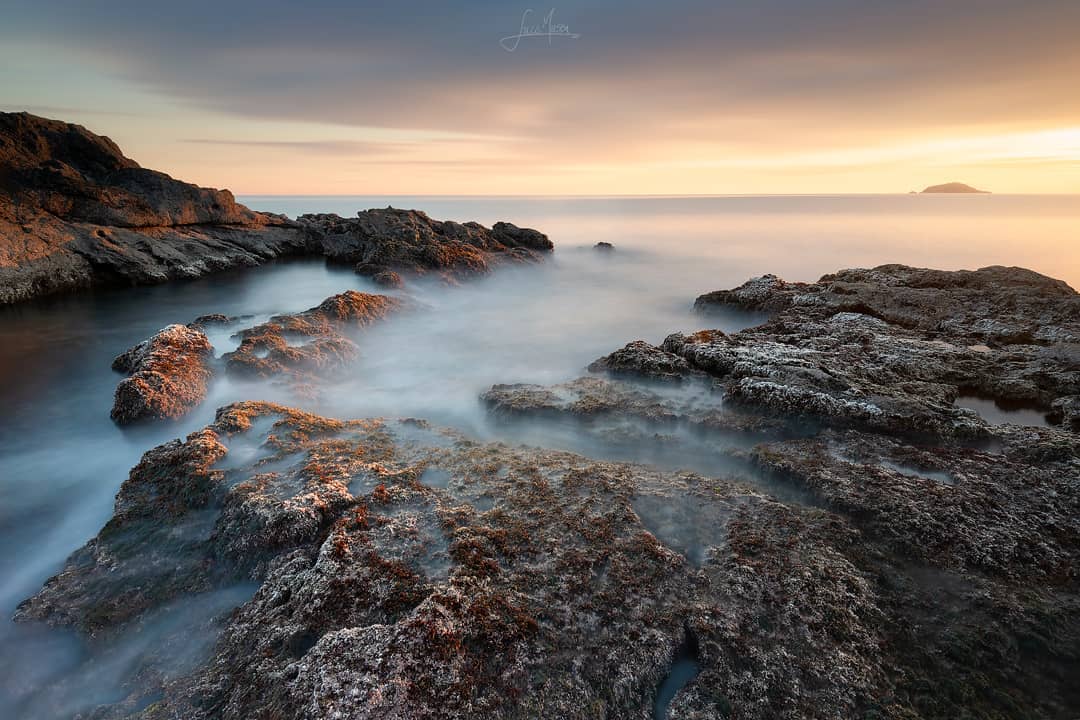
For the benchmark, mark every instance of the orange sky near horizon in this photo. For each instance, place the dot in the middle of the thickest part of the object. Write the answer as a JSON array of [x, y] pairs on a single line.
[[867, 99]]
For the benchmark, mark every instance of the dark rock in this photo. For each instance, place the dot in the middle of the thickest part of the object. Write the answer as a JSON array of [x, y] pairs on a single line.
[[891, 348], [603, 246], [640, 359], [211, 319], [533, 583], [408, 241], [76, 213], [966, 532], [168, 375]]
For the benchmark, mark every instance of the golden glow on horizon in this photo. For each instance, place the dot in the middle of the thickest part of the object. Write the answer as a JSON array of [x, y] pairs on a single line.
[[736, 152], [1025, 161]]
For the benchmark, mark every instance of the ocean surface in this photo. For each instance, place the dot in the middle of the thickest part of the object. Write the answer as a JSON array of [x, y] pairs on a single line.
[[62, 459]]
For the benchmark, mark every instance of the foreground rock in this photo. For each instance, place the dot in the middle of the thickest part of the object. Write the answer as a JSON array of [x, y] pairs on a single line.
[[383, 243], [167, 373], [76, 213], [410, 572]]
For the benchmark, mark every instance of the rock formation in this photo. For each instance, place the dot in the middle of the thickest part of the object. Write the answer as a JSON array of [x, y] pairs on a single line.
[[169, 372], [167, 375], [76, 213], [319, 337], [382, 243]]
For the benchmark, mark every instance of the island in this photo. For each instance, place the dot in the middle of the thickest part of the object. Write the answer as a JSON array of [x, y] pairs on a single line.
[[955, 187]]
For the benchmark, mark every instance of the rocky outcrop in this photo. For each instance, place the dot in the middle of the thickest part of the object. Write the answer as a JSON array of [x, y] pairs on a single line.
[[891, 348], [381, 243], [318, 341], [167, 373], [76, 213], [407, 571]]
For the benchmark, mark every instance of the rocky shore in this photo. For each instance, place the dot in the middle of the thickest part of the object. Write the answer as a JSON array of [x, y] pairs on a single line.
[[921, 562], [75, 213]]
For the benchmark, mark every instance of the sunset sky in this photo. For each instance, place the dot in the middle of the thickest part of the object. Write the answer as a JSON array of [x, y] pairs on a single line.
[[792, 96]]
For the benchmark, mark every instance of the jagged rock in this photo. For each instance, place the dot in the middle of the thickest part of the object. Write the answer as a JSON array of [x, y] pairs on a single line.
[[640, 359], [265, 350], [76, 213], [168, 375], [408, 241], [409, 572], [1066, 410], [891, 348], [603, 246]]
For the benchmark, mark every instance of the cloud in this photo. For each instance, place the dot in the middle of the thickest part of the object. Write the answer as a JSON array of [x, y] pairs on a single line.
[[645, 80]]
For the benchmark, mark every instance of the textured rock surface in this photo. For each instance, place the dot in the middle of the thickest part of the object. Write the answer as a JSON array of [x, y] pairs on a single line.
[[319, 342], [410, 572], [76, 213], [891, 348], [408, 241], [167, 375]]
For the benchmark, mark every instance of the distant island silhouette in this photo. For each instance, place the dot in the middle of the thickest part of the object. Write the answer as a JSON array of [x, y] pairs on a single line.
[[954, 187]]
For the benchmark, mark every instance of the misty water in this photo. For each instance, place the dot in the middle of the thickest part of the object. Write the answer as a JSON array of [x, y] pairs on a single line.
[[62, 459]]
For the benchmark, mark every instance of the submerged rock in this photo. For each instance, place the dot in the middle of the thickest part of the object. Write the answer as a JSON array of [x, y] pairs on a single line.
[[168, 375], [393, 241]]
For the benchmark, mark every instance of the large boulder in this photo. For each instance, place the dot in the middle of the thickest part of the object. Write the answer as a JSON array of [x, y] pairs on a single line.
[[168, 374]]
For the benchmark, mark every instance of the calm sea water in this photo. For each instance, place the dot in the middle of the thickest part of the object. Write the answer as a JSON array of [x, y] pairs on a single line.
[[62, 460]]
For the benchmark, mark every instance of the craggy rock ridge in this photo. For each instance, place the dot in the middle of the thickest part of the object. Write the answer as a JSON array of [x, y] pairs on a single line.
[[169, 371], [167, 375], [381, 243], [408, 572], [969, 532], [76, 213]]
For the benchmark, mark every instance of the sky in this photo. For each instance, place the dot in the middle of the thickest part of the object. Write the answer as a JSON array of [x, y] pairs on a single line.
[[597, 98]]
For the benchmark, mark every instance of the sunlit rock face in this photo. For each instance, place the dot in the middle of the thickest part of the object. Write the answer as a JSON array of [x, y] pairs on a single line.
[[308, 343], [167, 373], [76, 213]]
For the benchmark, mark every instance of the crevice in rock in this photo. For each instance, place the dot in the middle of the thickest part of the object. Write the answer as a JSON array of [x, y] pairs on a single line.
[[685, 666]]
